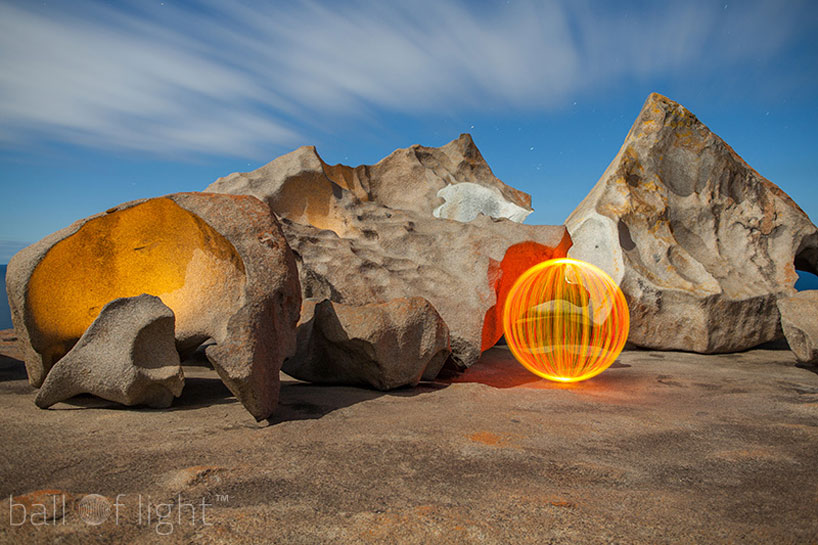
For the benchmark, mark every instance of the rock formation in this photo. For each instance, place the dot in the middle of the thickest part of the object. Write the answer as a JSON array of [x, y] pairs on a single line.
[[453, 181], [382, 345], [355, 245], [219, 261], [464, 270], [700, 243], [799, 320], [127, 355]]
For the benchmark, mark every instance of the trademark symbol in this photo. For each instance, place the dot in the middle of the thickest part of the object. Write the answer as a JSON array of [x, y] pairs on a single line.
[[222, 497]]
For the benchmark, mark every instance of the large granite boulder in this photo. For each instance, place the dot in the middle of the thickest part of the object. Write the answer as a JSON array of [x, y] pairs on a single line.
[[353, 249], [452, 181], [700, 243], [382, 345], [127, 355], [799, 320], [219, 261]]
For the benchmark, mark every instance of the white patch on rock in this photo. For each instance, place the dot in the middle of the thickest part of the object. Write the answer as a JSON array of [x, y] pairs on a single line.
[[466, 200]]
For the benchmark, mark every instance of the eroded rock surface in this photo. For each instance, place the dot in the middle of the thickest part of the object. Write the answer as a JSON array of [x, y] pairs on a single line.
[[355, 245], [452, 181], [382, 345], [700, 243], [127, 355], [799, 320], [219, 261], [464, 270]]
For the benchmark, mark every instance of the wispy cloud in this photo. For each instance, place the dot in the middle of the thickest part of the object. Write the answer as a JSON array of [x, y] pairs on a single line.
[[231, 78]]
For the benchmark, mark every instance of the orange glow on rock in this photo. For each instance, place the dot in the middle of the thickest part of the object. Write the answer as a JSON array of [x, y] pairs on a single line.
[[155, 247], [565, 320], [502, 275]]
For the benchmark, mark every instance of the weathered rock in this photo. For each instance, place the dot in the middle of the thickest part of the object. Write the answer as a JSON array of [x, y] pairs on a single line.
[[464, 270], [382, 345], [219, 261], [127, 355], [700, 243], [799, 320], [452, 181], [358, 251]]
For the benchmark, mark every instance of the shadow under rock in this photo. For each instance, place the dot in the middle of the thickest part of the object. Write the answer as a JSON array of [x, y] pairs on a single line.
[[498, 368], [202, 391], [11, 364], [778, 344], [808, 366], [203, 388], [11, 369], [305, 401]]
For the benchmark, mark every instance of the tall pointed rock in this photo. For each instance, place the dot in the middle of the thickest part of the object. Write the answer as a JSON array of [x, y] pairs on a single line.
[[701, 244]]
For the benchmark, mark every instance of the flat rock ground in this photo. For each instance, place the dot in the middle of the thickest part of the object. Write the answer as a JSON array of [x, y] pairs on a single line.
[[661, 448]]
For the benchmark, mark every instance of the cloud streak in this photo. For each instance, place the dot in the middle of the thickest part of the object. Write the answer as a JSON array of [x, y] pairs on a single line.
[[205, 78]]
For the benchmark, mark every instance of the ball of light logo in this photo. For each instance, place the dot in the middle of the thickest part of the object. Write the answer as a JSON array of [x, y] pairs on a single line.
[[566, 320]]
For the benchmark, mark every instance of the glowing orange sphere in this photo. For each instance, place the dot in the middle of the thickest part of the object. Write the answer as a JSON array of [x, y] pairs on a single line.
[[566, 320]]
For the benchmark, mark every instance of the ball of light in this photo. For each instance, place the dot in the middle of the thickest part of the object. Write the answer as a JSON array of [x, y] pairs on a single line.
[[566, 320]]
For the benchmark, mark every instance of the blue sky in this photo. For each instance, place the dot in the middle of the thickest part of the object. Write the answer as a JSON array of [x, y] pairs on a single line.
[[105, 102]]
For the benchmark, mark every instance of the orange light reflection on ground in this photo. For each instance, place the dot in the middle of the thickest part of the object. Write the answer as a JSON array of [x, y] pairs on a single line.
[[566, 320]]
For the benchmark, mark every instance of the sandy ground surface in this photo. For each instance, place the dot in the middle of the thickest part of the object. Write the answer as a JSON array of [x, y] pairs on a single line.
[[661, 448]]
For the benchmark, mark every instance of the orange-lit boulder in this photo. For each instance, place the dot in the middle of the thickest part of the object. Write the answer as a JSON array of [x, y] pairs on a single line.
[[382, 345], [127, 355], [219, 262]]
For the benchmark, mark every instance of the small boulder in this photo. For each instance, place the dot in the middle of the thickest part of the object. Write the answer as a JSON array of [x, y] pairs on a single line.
[[383, 346], [127, 355], [799, 319]]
